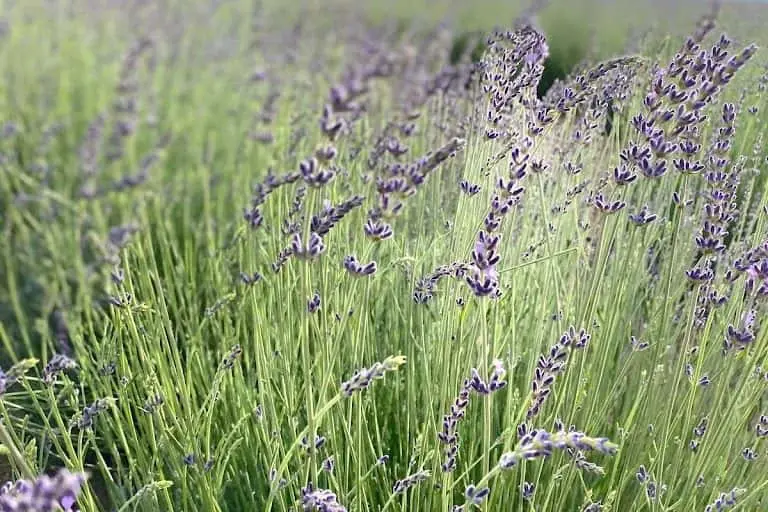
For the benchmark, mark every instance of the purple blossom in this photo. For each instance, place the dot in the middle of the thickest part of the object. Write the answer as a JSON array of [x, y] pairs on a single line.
[[527, 490], [402, 485], [229, 360], [469, 188], [449, 435], [311, 251], [550, 365], [607, 206], [761, 427], [325, 154], [476, 496], [313, 174], [725, 500], [642, 217], [329, 464], [638, 345], [357, 269], [308, 447], [319, 500], [46, 492], [623, 175], [88, 416], [330, 216], [364, 377], [57, 365], [377, 230], [540, 443], [313, 304]]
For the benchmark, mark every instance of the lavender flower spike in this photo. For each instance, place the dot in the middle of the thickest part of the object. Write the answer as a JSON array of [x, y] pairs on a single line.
[[319, 500], [358, 269], [57, 492], [540, 443], [312, 250], [410, 481], [725, 500], [363, 378]]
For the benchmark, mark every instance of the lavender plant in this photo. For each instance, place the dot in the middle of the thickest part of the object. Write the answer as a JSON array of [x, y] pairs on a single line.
[[226, 226]]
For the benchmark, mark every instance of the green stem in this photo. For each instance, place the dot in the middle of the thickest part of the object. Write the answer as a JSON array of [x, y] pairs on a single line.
[[24, 468]]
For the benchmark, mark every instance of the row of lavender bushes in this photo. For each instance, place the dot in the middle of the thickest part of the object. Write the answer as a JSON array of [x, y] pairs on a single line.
[[266, 257]]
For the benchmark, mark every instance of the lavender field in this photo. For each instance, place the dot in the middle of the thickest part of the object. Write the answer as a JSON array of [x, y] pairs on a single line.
[[368, 256]]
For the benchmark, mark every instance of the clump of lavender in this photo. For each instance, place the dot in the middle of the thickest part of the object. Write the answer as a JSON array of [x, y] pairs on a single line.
[[319, 500], [57, 492], [449, 435], [320, 225], [551, 365], [252, 215], [512, 66], [539, 443], [719, 211], [753, 265], [401, 181], [363, 378], [668, 133]]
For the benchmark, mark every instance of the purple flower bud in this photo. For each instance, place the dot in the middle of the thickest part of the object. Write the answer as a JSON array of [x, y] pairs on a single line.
[[57, 365], [57, 492], [469, 188], [623, 175], [377, 230], [313, 304], [355, 268], [642, 217]]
